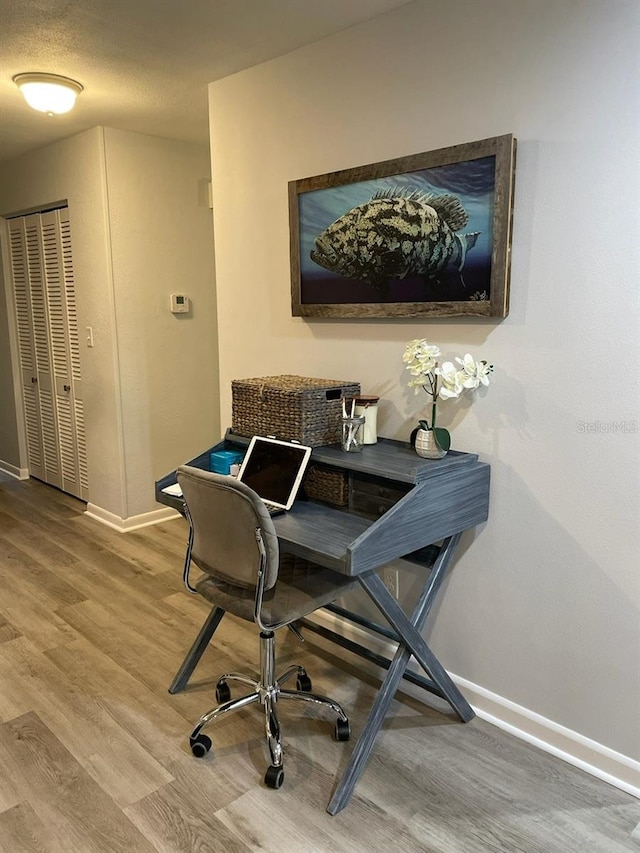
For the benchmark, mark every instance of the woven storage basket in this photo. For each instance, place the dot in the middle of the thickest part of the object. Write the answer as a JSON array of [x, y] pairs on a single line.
[[290, 407], [326, 484]]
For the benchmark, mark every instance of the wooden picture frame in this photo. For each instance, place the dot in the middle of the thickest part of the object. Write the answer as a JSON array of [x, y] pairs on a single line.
[[427, 235]]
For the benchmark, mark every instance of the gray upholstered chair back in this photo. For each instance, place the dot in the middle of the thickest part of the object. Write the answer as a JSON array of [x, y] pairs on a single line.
[[224, 517]]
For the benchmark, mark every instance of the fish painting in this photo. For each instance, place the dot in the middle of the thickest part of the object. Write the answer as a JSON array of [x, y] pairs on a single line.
[[398, 233]]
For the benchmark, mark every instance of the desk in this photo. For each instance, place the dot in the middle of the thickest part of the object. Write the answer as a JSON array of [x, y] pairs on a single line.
[[399, 507]]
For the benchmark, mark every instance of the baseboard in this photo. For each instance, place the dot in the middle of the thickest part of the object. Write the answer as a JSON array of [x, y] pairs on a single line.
[[12, 471], [134, 522], [618, 770], [589, 755]]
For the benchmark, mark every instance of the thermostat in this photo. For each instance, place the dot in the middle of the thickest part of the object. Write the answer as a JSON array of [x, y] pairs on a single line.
[[180, 304]]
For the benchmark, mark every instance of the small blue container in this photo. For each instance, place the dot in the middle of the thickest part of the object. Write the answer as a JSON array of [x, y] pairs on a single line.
[[220, 461]]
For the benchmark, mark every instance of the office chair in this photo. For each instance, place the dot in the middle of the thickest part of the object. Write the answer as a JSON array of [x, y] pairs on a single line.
[[232, 539]]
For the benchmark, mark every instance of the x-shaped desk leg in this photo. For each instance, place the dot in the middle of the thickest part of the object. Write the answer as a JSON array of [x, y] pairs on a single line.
[[196, 651], [411, 643]]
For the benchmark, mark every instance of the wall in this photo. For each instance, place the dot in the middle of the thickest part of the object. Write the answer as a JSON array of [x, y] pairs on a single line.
[[73, 170], [162, 243], [542, 609], [141, 229]]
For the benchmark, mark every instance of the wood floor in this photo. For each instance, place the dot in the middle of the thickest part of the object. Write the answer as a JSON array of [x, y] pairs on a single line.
[[94, 752]]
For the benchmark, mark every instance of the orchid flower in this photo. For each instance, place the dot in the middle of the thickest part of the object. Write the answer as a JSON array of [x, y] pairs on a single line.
[[451, 384], [446, 381]]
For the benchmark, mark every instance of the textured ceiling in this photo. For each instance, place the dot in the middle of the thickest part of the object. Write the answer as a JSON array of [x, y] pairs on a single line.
[[145, 64]]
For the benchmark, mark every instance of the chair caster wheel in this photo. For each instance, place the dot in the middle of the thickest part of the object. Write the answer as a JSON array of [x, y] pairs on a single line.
[[223, 693], [303, 682], [274, 777], [200, 745], [342, 730]]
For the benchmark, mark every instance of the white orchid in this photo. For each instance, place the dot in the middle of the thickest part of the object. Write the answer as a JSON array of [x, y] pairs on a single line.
[[474, 372], [483, 369], [451, 385], [420, 357], [446, 381]]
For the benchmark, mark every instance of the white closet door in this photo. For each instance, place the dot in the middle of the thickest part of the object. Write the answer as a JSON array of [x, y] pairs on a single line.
[[62, 390], [26, 349], [47, 321], [73, 341], [40, 326]]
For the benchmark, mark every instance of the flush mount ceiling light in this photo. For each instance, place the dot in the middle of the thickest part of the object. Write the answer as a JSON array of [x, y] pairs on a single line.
[[48, 93]]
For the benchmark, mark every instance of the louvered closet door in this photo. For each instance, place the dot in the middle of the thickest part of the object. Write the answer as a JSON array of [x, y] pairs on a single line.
[[49, 349], [26, 347], [73, 342], [40, 331], [60, 309]]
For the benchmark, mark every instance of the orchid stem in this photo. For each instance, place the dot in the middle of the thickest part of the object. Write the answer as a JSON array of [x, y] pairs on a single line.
[[432, 390], [433, 405]]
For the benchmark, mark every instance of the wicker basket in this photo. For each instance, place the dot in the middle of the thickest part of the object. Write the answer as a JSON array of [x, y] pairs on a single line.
[[290, 407], [326, 484]]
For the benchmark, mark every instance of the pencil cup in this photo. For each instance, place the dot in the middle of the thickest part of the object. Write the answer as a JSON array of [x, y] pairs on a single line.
[[352, 434], [367, 406]]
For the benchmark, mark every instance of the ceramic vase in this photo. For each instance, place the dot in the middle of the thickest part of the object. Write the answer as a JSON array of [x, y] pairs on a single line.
[[427, 446]]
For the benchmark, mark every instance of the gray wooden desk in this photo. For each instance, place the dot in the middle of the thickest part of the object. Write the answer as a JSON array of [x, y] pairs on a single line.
[[399, 507]]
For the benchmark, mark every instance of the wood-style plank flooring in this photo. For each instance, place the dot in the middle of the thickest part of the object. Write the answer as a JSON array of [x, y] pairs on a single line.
[[94, 753]]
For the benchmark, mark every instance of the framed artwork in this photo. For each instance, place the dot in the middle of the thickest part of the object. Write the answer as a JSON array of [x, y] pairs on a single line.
[[422, 236]]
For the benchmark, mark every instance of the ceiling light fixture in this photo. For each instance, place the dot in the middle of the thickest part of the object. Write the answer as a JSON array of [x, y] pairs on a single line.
[[48, 93]]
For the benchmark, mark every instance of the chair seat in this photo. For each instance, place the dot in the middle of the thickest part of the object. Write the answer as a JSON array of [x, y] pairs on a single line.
[[301, 588]]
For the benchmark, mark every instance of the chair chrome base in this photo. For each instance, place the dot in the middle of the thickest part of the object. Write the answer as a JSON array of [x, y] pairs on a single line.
[[267, 689]]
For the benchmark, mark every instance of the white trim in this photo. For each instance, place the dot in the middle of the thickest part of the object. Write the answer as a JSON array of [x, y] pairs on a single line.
[[135, 522], [594, 758], [589, 755], [12, 471]]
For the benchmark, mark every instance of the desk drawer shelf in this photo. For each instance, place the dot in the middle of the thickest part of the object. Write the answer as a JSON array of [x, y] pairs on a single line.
[[373, 496]]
